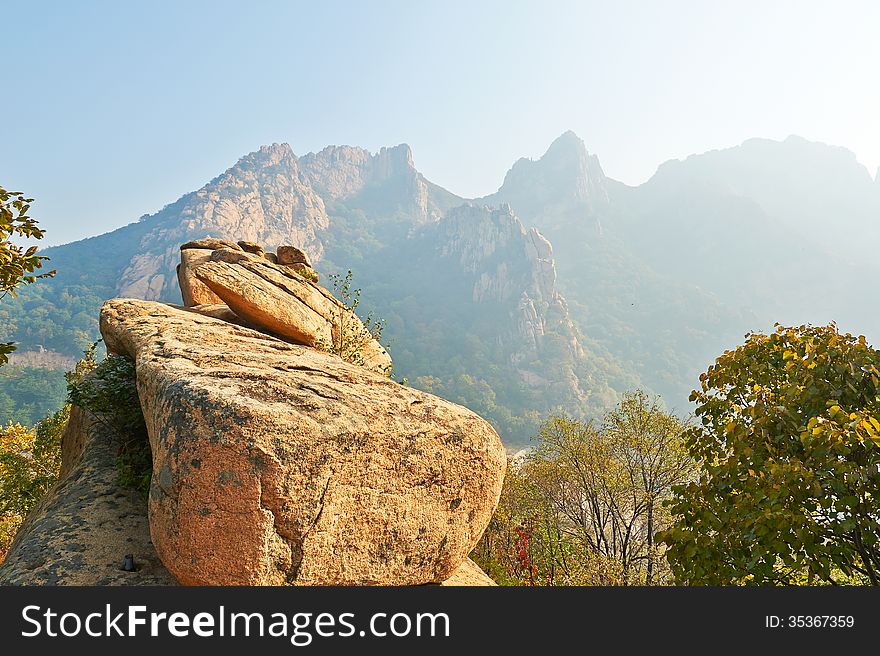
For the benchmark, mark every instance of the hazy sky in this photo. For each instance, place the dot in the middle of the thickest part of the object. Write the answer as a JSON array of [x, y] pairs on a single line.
[[112, 110]]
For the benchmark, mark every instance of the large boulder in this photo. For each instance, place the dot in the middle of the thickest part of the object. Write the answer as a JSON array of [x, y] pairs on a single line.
[[87, 523], [275, 463], [281, 301], [192, 290]]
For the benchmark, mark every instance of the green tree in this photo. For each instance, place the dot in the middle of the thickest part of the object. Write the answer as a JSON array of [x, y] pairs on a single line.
[[18, 266], [30, 460], [789, 489], [583, 506]]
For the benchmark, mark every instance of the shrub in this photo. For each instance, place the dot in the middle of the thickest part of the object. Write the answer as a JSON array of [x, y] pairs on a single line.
[[110, 394], [350, 333]]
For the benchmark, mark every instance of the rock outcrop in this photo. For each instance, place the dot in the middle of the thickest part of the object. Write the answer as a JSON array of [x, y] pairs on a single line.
[[275, 463], [277, 456], [278, 299], [80, 533]]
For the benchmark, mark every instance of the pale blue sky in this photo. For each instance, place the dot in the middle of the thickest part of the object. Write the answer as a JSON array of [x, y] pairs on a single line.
[[120, 108]]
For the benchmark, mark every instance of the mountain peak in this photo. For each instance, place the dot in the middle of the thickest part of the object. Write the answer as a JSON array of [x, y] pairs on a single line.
[[567, 143], [565, 175], [400, 154], [277, 149], [268, 155]]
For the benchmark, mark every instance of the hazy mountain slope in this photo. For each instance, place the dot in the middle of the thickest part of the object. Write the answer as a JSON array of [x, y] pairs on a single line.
[[721, 221], [668, 274], [471, 298], [662, 328], [642, 286], [818, 192]]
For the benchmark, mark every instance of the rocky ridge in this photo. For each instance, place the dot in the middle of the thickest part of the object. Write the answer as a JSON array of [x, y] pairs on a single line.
[[344, 172]]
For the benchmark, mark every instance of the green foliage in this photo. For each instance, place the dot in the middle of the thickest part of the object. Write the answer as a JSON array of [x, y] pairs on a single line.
[[84, 366], [789, 445], [18, 266], [27, 394], [110, 394], [351, 334], [29, 462], [309, 274], [583, 506]]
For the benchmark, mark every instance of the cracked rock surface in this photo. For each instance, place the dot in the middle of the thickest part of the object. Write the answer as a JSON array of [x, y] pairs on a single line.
[[279, 464]]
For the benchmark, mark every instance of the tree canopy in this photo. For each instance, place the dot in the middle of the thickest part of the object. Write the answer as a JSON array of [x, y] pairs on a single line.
[[18, 266], [582, 508], [789, 446]]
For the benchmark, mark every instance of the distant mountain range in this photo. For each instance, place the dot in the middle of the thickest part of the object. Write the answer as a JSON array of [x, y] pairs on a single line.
[[558, 292]]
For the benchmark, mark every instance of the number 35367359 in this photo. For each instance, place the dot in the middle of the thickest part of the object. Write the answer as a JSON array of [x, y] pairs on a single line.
[[809, 621]]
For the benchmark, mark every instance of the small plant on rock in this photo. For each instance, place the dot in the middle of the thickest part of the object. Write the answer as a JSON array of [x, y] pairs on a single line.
[[350, 334]]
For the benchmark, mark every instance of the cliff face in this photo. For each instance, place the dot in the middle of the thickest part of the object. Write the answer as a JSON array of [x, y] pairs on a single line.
[[263, 198], [511, 273], [509, 265]]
